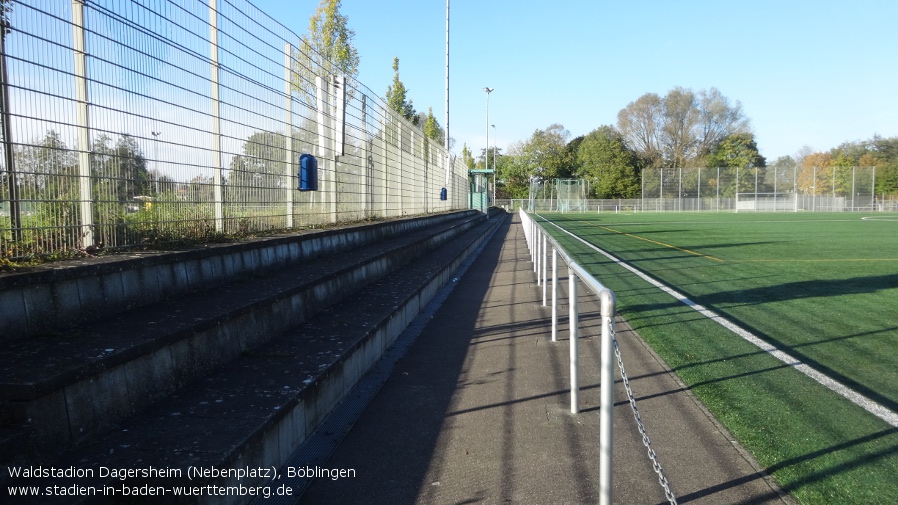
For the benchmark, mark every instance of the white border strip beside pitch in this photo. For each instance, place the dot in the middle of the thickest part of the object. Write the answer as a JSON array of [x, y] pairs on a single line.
[[858, 399]]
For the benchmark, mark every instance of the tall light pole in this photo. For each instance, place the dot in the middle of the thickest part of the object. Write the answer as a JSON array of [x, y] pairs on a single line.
[[486, 151], [447, 78], [495, 168]]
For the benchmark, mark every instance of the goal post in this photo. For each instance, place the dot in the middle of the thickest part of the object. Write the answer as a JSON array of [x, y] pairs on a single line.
[[571, 195]]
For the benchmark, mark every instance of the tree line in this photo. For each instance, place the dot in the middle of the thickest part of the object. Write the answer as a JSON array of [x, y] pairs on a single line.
[[682, 129]]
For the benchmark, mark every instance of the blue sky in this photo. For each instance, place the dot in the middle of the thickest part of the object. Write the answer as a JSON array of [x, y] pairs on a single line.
[[808, 73]]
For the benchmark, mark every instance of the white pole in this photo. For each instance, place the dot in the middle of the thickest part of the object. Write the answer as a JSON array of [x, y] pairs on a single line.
[[606, 400], [545, 257], [539, 258], [574, 324], [85, 191], [554, 295], [447, 88], [288, 138], [216, 118]]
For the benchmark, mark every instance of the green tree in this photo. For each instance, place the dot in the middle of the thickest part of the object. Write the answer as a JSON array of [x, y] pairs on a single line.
[[432, 127], [50, 180], [781, 174], [325, 51], [608, 164], [129, 169], [467, 157], [546, 154], [514, 172], [397, 96], [740, 150], [885, 151], [258, 174]]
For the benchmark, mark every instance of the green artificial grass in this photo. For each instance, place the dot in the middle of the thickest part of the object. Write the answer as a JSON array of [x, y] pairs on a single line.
[[821, 287]]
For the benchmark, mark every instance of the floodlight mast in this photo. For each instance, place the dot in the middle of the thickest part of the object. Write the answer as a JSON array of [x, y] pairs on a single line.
[[486, 151]]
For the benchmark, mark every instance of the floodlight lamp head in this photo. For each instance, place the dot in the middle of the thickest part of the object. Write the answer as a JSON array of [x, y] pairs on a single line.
[[488, 90]]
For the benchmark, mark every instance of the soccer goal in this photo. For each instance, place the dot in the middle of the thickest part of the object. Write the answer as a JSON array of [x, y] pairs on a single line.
[[561, 195], [765, 202], [571, 195]]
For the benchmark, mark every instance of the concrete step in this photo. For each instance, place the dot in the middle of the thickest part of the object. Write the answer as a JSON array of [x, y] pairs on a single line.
[[39, 301], [258, 409], [72, 386]]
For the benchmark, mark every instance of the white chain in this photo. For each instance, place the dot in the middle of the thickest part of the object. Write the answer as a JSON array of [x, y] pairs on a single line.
[[645, 437]]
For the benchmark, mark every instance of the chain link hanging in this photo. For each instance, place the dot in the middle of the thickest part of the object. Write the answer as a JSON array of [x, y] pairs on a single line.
[[656, 465]]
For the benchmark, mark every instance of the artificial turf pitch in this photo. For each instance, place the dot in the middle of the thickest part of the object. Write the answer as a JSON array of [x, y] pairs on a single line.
[[821, 287]]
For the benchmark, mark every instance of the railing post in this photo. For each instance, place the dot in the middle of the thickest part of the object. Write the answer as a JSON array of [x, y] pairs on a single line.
[[606, 397], [574, 326], [540, 238], [545, 264], [554, 294]]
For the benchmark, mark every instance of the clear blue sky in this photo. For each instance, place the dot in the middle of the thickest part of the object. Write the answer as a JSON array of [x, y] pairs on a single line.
[[808, 73]]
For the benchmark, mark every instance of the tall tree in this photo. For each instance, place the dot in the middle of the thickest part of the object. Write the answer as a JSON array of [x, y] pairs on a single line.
[[681, 116], [397, 96], [325, 51], [717, 119], [131, 177], [546, 155], [432, 127], [515, 172], [681, 128], [467, 157], [608, 164], [258, 174], [739, 153], [640, 124]]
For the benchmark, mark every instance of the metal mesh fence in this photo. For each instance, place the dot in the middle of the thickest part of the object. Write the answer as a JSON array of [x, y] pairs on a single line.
[[771, 189], [138, 121], [760, 189]]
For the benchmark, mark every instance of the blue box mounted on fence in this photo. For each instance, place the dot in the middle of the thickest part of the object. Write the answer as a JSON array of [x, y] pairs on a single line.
[[443, 194], [308, 173]]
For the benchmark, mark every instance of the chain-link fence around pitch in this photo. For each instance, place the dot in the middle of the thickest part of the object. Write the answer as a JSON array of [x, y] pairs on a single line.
[[763, 189], [135, 122], [830, 189]]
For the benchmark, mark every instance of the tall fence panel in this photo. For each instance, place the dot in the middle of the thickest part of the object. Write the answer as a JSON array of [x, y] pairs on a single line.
[[130, 122], [762, 189]]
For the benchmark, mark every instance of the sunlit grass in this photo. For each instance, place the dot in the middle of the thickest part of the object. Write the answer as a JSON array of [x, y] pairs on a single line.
[[822, 287]]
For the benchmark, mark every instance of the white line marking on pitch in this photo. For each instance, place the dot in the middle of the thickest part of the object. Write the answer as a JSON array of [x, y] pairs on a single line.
[[853, 396]]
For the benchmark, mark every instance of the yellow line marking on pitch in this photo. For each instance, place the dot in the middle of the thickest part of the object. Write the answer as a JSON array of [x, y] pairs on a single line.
[[659, 243], [786, 260]]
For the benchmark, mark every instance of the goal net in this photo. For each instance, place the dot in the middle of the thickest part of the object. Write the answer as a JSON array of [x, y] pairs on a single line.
[[571, 195], [561, 195]]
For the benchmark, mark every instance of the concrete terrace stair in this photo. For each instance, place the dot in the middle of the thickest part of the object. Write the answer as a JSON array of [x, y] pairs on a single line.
[[238, 374]]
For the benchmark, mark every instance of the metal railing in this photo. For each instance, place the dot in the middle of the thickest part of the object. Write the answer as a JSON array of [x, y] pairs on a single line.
[[136, 121], [539, 241]]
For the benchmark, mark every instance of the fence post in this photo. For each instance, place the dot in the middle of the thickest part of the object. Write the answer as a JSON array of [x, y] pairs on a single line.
[[574, 327], [85, 191], [541, 239], [545, 258], [216, 117], [554, 294], [289, 173], [400, 177], [385, 157], [606, 397]]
